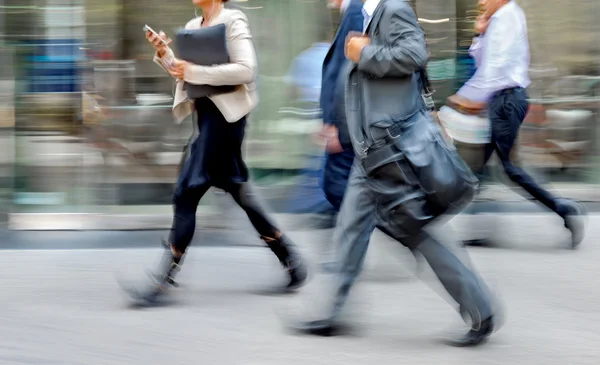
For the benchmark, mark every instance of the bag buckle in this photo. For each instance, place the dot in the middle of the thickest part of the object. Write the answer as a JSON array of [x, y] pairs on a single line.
[[428, 99], [364, 153]]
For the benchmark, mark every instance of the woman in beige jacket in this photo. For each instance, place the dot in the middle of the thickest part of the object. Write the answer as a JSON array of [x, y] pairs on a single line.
[[215, 157]]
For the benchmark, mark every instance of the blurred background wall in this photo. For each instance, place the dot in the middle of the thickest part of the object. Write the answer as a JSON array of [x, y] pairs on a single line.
[[85, 114]]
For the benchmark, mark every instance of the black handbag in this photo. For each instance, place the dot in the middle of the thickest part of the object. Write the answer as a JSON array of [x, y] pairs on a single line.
[[417, 143], [447, 181]]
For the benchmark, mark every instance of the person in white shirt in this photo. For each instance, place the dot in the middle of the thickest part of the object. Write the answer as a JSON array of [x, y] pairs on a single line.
[[502, 55]]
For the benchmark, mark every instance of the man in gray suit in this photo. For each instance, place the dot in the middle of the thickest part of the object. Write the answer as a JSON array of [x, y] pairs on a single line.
[[383, 101]]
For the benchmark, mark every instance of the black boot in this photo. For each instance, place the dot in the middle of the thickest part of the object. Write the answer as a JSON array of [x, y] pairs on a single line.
[[290, 259], [169, 267], [160, 281]]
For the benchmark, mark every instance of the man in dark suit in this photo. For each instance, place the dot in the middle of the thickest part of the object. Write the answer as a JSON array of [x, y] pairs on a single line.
[[339, 153]]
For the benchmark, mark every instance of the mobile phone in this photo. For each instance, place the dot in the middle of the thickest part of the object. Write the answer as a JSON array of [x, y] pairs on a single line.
[[148, 29]]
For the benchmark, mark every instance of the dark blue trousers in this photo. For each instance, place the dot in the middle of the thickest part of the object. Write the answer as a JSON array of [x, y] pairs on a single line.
[[507, 112], [335, 176]]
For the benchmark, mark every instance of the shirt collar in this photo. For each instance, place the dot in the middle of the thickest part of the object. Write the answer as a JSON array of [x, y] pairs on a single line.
[[504, 8], [370, 6]]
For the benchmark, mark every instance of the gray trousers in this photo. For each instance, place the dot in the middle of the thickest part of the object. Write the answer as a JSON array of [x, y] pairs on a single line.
[[391, 200]]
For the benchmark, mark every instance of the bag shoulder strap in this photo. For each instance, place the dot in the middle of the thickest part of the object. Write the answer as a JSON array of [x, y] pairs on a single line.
[[427, 89], [427, 95]]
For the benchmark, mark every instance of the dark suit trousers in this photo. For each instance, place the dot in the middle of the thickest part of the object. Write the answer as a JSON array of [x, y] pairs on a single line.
[[335, 176]]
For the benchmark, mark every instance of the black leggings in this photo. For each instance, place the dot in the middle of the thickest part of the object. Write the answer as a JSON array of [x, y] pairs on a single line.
[[186, 204]]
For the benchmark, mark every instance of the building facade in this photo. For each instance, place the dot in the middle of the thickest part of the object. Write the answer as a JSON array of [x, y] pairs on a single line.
[[87, 112]]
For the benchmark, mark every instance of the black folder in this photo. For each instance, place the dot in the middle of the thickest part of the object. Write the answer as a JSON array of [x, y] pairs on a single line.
[[204, 47]]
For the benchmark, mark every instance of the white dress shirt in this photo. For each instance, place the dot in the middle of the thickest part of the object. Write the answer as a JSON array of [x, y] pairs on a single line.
[[501, 55], [368, 10], [345, 4], [475, 88]]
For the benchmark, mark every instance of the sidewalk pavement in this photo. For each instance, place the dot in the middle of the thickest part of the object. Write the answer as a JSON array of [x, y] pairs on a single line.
[[65, 307]]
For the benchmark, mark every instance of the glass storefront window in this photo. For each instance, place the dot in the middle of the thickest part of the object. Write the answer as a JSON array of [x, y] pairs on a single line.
[[68, 158]]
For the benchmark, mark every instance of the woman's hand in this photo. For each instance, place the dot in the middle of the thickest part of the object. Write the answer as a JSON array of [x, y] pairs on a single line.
[[160, 43], [177, 69]]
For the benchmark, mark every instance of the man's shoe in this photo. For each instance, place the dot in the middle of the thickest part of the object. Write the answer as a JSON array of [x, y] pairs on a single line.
[[574, 215], [483, 242], [476, 335], [323, 327]]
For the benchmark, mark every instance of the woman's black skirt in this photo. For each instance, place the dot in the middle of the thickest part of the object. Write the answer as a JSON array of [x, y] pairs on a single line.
[[215, 157]]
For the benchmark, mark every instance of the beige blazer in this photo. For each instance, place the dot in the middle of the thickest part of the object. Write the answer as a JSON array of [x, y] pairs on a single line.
[[240, 71]]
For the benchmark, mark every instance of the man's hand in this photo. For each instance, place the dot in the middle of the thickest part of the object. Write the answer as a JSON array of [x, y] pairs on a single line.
[[177, 69], [481, 24], [329, 135], [454, 99], [465, 105], [354, 47]]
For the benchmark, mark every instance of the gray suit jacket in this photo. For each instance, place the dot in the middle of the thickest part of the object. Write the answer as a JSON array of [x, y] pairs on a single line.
[[384, 87]]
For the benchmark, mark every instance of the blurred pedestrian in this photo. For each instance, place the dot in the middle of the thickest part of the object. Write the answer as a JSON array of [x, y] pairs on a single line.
[[304, 82], [501, 51], [304, 75], [404, 175], [215, 157], [339, 154]]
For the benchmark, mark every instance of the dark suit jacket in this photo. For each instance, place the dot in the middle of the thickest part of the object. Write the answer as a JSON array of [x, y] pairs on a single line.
[[332, 90]]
